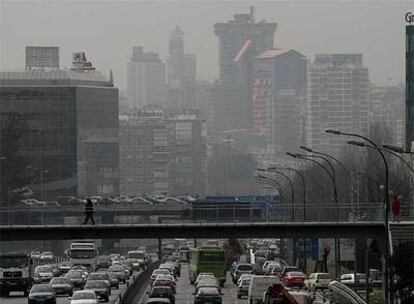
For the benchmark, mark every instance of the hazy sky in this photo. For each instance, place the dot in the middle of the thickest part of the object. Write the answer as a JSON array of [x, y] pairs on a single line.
[[107, 30]]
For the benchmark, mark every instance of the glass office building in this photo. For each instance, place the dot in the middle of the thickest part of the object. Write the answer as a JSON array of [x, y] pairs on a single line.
[[68, 123], [409, 55]]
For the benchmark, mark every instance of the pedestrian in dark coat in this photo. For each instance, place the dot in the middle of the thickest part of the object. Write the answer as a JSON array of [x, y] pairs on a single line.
[[88, 212]]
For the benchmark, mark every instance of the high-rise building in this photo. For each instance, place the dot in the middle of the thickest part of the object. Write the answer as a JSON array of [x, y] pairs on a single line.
[[68, 122], [162, 152], [337, 98], [144, 153], [181, 73], [240, 40], [42, 57], [409, 57], [279, 86], [145, 79], [181, 67], [187, 153]]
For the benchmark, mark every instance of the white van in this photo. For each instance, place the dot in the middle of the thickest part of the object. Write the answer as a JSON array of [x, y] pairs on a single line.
[[258, 285]]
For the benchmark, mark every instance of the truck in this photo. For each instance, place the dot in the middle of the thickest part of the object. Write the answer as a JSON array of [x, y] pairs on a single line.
[[138, 259], [16, 272], [83, 253], [208, 259]]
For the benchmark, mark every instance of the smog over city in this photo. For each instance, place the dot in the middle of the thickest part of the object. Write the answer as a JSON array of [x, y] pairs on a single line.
[[195, 151]]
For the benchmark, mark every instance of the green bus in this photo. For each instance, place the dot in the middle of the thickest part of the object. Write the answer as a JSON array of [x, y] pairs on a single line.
[[208, 259]]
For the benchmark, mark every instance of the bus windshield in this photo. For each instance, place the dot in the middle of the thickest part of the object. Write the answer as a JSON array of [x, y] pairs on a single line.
[[13, 261], [211, 256], [82, 254]]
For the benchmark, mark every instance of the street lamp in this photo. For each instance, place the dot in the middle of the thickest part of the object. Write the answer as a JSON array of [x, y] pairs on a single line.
[[384, 148], [386, 201], [302, 177], [292, 191], [336, 202]]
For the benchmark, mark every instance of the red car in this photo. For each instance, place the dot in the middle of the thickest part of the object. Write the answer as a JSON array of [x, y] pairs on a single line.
[[165, 282], [294, 278]]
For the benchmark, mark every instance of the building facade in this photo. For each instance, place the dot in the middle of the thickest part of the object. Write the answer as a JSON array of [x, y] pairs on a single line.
[[240, 40], [69, 131], [188, 160], [145, 79], [278, 91], [144, 153], [337, 98], [409, 72]]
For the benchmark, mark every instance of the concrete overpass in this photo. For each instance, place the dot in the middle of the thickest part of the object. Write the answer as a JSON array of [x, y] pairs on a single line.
[[360, 230]]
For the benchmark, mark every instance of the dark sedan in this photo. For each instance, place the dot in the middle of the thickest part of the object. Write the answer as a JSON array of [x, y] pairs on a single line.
[[209, 295], [62, 285], [42, 293]]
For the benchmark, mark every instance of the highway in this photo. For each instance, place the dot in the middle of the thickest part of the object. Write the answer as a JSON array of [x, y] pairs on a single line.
[[185, 290], [18, 298]]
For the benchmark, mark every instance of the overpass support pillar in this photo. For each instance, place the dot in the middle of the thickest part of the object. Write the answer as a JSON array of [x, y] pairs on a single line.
[[295, 251], [108, 218], [160, 249]]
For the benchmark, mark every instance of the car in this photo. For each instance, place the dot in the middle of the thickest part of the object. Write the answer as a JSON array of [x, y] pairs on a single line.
[[84, 297], [42, 293], [62, 285], [349, 279], [157, 272], [268, 266], [293, 278], [100, 276], [35, 255], [104, 261], [204, 275], [286, 269], [42, 274], [32, 202], [158, 301], [207, 295], [243, 286], [170, 268], [317, 280], [162, 292], [119, 272], [258, 285], [242, 268], [244, 276], [77, 278], [207, 282], [160, 281], [81, 268], [64, 268], [114, 280], [100, 287]]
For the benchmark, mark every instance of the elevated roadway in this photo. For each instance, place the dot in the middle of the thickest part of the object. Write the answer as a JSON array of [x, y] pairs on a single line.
[[363, 230]]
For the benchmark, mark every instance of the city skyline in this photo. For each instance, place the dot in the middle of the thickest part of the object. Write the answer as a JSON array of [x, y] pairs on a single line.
[[92, 32]]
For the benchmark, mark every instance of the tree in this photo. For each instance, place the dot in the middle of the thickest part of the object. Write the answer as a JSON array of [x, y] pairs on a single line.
[[231, 171]]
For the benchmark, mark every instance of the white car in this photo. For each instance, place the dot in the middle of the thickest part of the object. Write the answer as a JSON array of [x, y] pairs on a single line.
[[32, 202], [317, 280], [349, 278], [84, 297]]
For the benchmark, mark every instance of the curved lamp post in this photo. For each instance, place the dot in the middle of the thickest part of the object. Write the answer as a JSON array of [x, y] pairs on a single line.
[[386, 202]]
